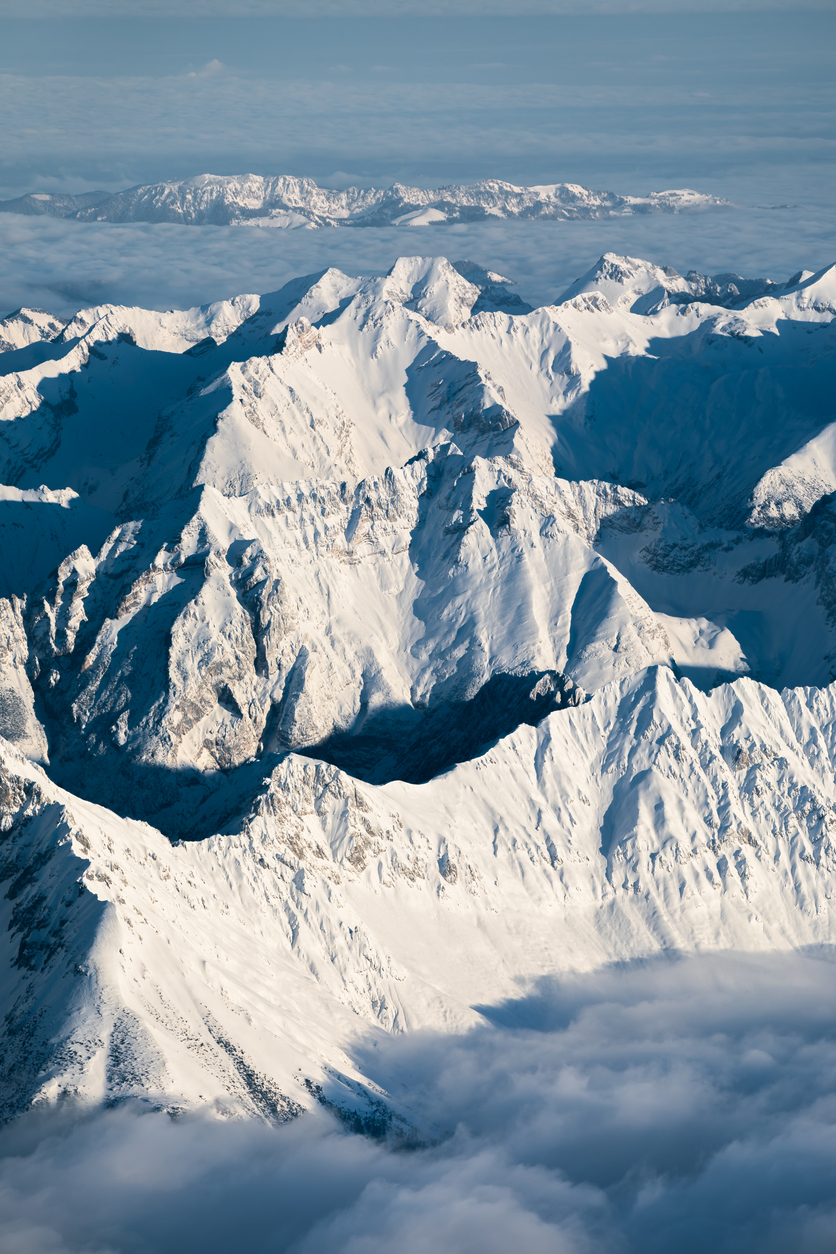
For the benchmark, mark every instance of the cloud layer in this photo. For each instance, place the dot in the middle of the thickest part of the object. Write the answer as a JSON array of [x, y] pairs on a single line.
[[683, 1104], [61, 266]]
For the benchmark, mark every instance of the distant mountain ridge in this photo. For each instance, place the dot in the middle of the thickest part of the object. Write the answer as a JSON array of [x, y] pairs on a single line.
[[287, 202]]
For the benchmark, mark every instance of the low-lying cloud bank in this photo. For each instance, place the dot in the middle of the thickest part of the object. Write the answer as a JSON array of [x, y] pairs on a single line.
[[62, 266], [680, 1105]]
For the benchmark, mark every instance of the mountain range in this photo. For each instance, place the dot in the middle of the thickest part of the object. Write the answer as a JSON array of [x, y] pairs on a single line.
[[376, 646], [287, 202]]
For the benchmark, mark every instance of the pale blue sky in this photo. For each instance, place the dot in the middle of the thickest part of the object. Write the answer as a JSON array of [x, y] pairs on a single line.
[[736, 103]]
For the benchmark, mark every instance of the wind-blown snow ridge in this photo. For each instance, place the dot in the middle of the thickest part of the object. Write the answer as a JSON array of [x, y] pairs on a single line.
[[286, 202], [374, 638]]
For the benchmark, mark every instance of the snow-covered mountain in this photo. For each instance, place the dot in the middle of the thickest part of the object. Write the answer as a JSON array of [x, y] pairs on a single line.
[[284, 201], [375, 646]]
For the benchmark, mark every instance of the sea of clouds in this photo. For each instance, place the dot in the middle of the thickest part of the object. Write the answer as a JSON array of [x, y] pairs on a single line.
[[685, 1105], [61, 266]]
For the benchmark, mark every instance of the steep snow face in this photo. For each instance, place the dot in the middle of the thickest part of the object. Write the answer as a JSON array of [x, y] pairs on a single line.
[[241, 972], [283, 616], [285, 202], [657, 417], [331, 513], [415, 611], [28, 326]]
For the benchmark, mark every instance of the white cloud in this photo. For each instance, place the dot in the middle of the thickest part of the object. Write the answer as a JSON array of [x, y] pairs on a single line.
[[61, 266], [209, 70], [677, 1105]]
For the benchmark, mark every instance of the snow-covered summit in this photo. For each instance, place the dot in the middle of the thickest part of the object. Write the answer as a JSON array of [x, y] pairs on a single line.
[[642, 286]]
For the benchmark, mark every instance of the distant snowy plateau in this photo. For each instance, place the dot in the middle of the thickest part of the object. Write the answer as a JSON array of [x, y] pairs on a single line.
[[287, 202], [374, 647]]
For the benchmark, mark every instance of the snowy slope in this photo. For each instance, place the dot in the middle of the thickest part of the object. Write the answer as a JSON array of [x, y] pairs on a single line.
[[287, 202], [241, 971], [28, 326], [413, 611]]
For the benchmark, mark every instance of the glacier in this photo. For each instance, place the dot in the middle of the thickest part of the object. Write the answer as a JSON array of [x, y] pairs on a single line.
[[378, 647]]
